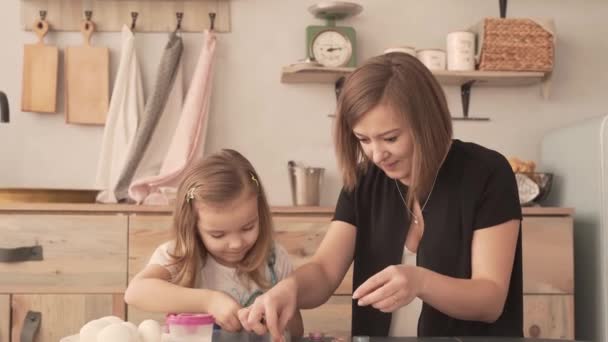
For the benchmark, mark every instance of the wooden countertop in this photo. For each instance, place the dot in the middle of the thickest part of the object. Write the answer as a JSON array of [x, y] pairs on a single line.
[[86, 208]]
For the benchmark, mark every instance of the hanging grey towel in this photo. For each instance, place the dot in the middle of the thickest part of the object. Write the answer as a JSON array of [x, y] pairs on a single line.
[[152, 113]]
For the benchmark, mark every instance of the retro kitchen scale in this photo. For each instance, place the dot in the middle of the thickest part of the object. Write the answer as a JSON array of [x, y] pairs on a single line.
[[330, 45]]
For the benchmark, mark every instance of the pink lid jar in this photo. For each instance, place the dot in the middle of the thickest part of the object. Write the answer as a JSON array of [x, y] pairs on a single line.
[[186, 327]]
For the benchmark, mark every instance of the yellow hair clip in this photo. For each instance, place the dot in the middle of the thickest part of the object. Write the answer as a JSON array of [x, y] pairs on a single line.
[[254, 179], [190, 194]]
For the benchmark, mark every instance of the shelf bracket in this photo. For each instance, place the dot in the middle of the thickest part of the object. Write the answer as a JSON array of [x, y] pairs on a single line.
[[465, 96], [503, 8]]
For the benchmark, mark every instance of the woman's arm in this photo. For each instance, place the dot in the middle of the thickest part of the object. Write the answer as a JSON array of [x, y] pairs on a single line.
[[480, 298], [307, 287], [318, 279], [483, 297], [295, 325]]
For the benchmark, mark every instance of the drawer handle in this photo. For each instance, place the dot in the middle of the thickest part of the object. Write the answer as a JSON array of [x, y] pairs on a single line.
[[534, 331], [32, 253], [31, 323]]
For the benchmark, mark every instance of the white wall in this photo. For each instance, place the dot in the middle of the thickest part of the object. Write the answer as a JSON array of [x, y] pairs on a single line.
[[272, 123]]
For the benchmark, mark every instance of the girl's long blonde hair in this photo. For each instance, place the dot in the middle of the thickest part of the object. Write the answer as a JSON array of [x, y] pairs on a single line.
[[408, 88], [218, 179]]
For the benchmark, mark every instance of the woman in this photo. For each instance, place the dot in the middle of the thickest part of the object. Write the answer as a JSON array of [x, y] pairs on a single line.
[[409, 187]]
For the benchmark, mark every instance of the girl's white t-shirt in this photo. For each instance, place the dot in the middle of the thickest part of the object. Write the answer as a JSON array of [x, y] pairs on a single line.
[[217, 277]]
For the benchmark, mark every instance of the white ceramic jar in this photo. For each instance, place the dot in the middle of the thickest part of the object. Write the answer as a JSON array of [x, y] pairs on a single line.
[[403, 49], [434, 59], [461, 51]]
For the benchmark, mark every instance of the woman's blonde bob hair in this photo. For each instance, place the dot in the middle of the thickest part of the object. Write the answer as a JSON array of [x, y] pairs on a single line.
[[404, 85], [217, 180]]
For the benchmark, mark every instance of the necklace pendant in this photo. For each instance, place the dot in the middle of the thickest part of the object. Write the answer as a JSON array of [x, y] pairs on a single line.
[[415, 220]]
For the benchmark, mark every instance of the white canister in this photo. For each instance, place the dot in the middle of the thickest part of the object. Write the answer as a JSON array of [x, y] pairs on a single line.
[[403, 49], [461, 51], [434, 59]]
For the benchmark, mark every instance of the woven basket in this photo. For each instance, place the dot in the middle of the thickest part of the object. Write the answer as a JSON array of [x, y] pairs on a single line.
[[516, 45]]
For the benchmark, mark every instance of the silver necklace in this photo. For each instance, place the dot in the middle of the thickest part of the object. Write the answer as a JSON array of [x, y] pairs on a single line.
[[425, 202]]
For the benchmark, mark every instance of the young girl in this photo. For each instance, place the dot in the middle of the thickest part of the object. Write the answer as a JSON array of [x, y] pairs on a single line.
[[223, 255]]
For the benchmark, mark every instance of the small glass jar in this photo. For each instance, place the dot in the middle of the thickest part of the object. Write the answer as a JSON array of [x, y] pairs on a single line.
[[190, 327]]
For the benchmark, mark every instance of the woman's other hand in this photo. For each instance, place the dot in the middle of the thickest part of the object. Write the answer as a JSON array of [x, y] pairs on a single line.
[[391, 288], [224, 309], [271, 311]]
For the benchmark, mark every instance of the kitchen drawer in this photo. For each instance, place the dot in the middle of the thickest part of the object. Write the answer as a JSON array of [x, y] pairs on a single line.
[[332, 318], [548, 241], [549, 316], [63, 315], [146, 233], [5, 317], [301, 238], [81, 254]]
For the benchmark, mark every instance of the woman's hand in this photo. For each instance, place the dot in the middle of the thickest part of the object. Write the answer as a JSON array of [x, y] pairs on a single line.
[[224, 309], [391, 288], [271, 311]]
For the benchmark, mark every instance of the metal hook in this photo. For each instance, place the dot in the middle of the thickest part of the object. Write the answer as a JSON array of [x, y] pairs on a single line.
[[42, 15], [88, 14], [212, 20], [180, 16], [133, 20]]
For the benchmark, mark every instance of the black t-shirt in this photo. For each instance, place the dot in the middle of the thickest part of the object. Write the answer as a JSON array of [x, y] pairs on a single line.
[[475, 188]]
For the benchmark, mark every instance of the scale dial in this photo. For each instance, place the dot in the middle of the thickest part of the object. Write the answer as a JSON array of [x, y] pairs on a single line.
[[331, 48]]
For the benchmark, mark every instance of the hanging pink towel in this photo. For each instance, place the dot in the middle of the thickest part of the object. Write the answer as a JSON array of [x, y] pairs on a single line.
[[188, 140], [126, 106]]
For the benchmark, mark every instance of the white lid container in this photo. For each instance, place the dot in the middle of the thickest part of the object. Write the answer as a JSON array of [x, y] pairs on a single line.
[[186, 327]]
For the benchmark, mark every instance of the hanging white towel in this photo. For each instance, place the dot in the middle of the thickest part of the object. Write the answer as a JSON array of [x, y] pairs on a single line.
[[152, 115], [189, 137], [126, 106]]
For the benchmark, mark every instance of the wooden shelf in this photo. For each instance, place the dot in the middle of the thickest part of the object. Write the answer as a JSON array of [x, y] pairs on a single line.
[[298, 73], [490, 78], [307, 74]]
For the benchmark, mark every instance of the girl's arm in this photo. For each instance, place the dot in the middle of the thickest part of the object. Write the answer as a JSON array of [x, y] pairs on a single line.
[[151, 290]]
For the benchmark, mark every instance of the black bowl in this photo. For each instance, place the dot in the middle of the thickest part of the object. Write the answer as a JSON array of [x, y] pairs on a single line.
[[544, 180]]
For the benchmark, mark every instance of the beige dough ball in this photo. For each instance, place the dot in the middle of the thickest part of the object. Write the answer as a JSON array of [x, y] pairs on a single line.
[[133, 331], [89, 331], [149, 331], [116, 332], [112, 319]]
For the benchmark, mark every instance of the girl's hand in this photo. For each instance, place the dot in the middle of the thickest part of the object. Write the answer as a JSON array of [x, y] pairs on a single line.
[[271, 311], [391, 288], [224, 309]]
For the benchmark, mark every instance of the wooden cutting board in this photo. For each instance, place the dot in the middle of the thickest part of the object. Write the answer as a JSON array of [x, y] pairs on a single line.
[[86, 81], [40, 62]]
